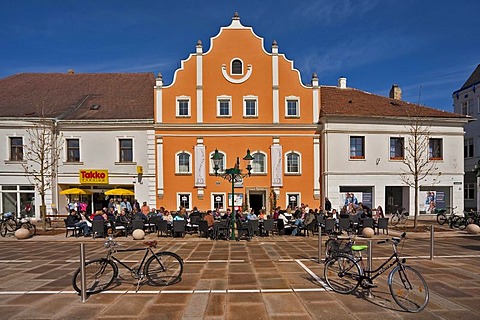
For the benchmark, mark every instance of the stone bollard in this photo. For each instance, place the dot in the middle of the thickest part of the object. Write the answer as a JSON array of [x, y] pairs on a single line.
[[472, 228], [22, 233], [368, 232], [138, 234]]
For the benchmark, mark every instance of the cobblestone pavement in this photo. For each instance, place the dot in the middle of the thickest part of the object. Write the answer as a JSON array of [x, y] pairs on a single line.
[[268, 278]]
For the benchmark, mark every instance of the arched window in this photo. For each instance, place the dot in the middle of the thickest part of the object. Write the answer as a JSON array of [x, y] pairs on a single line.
[[293, 163], [237, 67], [258, 163], [183, 161]]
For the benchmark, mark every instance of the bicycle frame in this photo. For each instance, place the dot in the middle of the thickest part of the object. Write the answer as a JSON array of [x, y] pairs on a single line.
[[386, 265], [136, 271]]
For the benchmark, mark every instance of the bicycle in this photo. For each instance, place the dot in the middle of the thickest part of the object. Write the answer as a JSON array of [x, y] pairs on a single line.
[[453, 219], [162, 268], [345, 272], [8, 223], [25, 223], [399, 216]]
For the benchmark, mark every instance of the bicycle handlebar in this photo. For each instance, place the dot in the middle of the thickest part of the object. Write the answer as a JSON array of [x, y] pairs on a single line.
[[396, 240]]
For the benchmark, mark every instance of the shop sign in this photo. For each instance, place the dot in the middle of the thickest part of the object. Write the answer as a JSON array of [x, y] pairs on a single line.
[[89, 176]]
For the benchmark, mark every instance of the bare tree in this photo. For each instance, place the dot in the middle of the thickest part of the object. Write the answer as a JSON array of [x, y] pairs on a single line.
[[418, 161], [40, 154]]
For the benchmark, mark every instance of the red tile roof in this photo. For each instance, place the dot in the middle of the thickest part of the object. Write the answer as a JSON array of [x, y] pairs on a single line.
[[353, 102], [71, 96]]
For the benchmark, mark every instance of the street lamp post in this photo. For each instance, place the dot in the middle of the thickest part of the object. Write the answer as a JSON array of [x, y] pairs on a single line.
[[232, 175], [477, 172]]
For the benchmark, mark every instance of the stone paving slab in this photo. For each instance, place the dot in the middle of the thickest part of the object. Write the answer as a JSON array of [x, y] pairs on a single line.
[[268, 278]]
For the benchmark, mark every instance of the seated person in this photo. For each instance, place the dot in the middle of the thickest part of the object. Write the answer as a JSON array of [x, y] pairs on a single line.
[[85, 224], [72, 219], [138, 215], [209, 218], [251, 215]]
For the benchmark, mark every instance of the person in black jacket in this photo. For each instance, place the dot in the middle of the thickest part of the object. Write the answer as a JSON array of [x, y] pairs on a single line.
[[72, 219]]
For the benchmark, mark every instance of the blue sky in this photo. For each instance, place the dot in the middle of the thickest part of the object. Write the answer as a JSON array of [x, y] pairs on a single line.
[[429, 48]]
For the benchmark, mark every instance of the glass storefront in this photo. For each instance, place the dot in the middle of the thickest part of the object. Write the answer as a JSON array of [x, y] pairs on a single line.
[[18, 199]]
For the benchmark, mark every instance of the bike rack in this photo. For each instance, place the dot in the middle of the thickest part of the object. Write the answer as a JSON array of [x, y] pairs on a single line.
[[432, 241], [319, 243]]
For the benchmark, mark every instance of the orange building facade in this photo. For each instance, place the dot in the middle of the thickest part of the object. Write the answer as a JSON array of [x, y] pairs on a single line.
[[237, 96]]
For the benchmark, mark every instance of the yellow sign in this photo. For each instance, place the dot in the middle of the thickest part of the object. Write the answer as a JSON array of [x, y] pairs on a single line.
[[139, 169], [89, 176]]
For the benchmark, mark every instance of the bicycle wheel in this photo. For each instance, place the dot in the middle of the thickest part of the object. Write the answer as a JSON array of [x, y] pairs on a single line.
[[408, 288], [394, 219], [441, 218], [403, 218], [342, 274], [164, 268], [461, 223], [3, 229], [11, 225], [99, 274]]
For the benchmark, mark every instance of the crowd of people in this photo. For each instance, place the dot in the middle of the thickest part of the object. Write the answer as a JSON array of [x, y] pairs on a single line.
[[121, 211]]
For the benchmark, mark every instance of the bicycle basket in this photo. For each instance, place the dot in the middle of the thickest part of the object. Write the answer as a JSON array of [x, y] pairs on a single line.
[[342, 246]]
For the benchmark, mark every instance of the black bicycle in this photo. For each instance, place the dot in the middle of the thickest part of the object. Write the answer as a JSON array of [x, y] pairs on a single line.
[[161, 269], [451, 217], [344, 273]]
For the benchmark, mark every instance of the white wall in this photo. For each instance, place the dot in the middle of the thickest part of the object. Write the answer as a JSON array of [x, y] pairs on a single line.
[[377, 169]]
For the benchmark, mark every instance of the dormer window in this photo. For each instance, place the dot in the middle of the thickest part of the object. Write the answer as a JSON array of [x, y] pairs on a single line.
[[237, 67]]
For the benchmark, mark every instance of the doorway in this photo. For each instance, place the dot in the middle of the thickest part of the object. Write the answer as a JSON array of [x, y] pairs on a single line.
[[256, 200], [396, 197]]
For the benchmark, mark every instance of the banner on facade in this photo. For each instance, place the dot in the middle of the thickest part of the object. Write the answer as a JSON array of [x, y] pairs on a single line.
[[200, 166], [91, 176], [277, 175]]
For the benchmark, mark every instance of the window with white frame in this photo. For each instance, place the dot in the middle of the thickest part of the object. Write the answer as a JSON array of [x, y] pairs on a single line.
[[435, 149], [218, 201], [292, 163], [259, 163], [224, 106], [250, 106], [184, 200], [357, 147], [183, 161], [16, 149], [468, 148], [183, 106], [73, 150], [397, 149], [237, 67], [221, 166], [292, 107], [126, 150], [469, 191], [470, 107], [293, 200]]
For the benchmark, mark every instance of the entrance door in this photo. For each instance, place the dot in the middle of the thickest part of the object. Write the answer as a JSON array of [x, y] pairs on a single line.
[[394, 199], [257, 201]]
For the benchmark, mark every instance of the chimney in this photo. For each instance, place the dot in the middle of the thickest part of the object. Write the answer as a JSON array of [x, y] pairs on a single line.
[[395, 92], [342, 82]]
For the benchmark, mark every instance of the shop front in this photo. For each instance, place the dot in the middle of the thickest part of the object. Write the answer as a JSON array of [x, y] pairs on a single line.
[[96, 190]]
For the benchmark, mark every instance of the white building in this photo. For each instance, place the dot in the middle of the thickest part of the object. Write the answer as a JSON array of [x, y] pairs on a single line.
[[363, 139], [466, 101], [105, 123]]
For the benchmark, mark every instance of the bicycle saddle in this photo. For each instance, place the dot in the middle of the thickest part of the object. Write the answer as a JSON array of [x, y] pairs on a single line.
[[359, 247], [151, 244]]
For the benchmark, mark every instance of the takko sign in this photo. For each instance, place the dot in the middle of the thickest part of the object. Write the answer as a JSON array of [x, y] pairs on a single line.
[[93, 176]]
